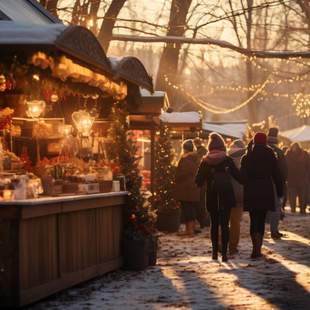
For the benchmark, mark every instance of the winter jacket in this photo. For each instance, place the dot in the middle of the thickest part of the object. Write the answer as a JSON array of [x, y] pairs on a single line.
[[217, 175], [201, 151], [238, 188], [298, 168], [262, 179], [185, 187], [281, 161]]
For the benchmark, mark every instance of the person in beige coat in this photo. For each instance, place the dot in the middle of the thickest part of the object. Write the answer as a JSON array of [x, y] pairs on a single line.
[[236, 151], [186, 191]]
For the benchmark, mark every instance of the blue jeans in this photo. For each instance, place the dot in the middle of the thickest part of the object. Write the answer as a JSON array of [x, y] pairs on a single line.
[[274, 218]]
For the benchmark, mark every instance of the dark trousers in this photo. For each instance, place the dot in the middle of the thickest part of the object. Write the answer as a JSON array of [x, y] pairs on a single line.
[[221, 218], [257, 222], [202, 215], [300, 193]]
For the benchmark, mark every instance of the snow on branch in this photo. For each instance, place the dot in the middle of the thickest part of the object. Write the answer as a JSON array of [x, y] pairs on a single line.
[[209, 41]]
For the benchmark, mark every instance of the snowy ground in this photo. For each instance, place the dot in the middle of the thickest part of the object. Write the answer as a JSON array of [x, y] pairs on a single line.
[[186, 277]]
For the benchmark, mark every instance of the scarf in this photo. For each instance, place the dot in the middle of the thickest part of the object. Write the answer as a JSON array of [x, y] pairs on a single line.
[[215, 156]]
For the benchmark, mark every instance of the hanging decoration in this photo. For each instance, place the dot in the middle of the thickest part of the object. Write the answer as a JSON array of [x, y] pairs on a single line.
[[64, 69], [301, 102], [6, 118], [83, 122], [2, 83], [35, 108]]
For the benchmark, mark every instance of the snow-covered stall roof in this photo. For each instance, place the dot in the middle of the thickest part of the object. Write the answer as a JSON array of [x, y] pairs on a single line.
[[25, 11], [75, 41], [230, 129], [300, 134], [132, 70], [181, 117]]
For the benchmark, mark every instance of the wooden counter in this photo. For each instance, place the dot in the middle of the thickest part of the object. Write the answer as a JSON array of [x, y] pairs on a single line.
[[49, 244]]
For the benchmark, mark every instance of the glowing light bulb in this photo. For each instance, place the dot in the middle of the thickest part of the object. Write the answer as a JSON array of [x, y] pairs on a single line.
[[35, 108]]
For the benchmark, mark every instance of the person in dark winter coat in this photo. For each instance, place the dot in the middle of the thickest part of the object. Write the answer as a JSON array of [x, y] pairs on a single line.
[[274, 216], [216, 170], [298, 176], [186, 191], [262, 184], [202, 215], [236, 151]]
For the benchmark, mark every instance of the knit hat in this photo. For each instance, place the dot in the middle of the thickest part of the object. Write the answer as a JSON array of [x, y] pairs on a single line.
[[273, 135], [260, 138], [273, 132], [188, 145], [236, 146], [216, 142]]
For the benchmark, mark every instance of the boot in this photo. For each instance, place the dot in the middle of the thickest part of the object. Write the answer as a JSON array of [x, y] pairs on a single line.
[[214, 250], [260, 239], [256, 241], [224, 252]]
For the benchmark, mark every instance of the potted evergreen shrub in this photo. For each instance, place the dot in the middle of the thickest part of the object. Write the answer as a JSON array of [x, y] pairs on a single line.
[[139, 245]]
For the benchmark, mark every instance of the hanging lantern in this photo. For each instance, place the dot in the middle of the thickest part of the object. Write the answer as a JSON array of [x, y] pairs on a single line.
[[83, 122], [2, 83], [35, 108]]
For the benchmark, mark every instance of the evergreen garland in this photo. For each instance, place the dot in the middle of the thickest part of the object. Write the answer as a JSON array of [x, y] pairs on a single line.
[[164, 173], [123, 151]]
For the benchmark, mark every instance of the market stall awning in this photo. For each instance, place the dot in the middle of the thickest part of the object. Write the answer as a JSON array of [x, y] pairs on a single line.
[[300, 134], [132, 70], [145, 115], [74, 41], [230, 129], [182, 120], [26, 11]]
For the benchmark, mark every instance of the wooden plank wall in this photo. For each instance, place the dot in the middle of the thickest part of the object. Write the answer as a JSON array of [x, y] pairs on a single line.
[[60, 250]]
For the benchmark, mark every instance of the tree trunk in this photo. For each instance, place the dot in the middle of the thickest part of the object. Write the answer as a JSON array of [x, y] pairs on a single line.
[[109, 20], [305, 7], [170, 57], [94, 7], [50, 5], [252, 107]]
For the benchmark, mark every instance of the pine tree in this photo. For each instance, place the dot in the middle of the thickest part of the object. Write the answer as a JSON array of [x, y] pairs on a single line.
[[123, 151], [164, 172]]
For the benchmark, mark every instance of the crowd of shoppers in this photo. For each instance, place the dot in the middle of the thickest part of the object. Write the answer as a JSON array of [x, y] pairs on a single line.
[[227, 180]]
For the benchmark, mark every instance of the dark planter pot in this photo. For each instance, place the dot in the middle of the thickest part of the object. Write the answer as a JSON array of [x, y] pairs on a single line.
[[135, 254], [169, 221], [153, 246]]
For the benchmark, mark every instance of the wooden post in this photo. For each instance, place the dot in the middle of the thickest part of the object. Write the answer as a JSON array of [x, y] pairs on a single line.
[[152, 159]]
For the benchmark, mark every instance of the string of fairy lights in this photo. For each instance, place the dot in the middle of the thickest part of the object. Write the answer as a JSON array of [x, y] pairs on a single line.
[[301, 101]]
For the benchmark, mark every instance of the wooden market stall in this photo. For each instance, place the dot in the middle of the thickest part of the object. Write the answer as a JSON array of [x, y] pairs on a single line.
[[61, 224], [182, 125], [145, 120]]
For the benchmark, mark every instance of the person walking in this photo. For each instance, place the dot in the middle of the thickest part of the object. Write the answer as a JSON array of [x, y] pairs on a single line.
[[262, 184], [202, 215], [236, 151], [298, 176], [275, 216], [216, 170], [186, 191]]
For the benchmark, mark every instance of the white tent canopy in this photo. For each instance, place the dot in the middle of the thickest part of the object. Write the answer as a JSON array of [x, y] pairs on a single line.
[[230, 129], [300, 134], [181, 117]]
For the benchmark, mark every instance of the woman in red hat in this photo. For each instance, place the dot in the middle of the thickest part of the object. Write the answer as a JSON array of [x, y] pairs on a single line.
[[262, 182]]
